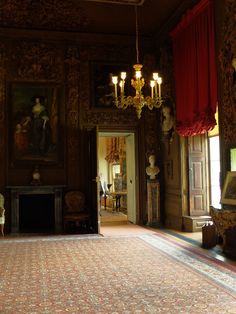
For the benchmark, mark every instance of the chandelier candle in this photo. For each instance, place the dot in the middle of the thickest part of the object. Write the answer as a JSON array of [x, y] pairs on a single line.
[[139, 100]]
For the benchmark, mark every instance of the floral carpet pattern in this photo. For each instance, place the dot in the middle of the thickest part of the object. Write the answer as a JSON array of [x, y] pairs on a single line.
[[113, 275]]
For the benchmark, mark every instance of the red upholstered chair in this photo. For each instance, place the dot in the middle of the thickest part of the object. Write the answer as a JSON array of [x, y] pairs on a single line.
[[76, 217]]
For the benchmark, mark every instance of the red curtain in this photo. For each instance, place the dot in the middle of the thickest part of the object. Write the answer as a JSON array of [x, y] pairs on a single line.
[[195, 70]]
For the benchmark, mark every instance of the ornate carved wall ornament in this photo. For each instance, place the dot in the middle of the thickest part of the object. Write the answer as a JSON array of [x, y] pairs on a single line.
[[227, 53], [166, 64], [151, 133], [35, 61], [90, 116], [2, 101], [43, 14], [72, 74], [223, 219], [2, 80]]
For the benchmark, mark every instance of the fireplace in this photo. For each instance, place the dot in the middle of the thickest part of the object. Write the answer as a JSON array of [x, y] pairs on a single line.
[[36, 213], [36, 209]]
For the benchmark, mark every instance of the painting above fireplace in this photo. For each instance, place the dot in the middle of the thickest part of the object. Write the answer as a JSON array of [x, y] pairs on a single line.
[[34, 117]]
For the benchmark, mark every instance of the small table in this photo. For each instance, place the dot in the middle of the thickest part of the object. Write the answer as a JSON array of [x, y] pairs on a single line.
[[117, 195]]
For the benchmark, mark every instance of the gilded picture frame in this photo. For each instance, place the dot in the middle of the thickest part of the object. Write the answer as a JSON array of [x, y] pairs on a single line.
[[34, 117], [102, 86], [228, 195]]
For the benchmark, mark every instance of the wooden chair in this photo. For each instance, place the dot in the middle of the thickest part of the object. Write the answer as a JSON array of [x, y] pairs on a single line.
[[2, 214], [76, 218]]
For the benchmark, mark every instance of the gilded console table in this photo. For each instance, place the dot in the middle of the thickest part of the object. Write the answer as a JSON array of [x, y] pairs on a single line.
[[225, 221]]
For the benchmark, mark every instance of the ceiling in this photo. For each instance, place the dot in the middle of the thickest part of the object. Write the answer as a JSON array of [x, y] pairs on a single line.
[[118, 16], [112, 17]]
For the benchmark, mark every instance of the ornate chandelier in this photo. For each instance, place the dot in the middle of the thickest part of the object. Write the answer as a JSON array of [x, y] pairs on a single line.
[[154, 100]]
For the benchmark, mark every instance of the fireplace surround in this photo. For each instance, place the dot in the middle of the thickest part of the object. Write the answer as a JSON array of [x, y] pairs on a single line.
[[51, 194]]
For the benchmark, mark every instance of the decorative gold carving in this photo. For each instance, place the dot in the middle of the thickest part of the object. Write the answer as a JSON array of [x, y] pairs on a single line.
[[43, 14], [2, 91], [2, 116], [223, 219], [151, 138], [73, 118], [111, 53], [88, 115], [227, 52], [72, 62], [132, 2], [35, 61], [111, 119], [2, 80], [166, 61], [168, 108]]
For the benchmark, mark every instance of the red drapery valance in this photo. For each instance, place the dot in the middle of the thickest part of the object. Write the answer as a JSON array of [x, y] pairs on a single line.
[[195, 70]]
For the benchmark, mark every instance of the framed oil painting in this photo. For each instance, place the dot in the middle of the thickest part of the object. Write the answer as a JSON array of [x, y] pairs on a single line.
[[102, 86], [233, 159], [228, 195], [34, 120]]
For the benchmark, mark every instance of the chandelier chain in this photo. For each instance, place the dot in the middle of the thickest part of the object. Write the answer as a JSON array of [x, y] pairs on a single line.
[[137, 33]]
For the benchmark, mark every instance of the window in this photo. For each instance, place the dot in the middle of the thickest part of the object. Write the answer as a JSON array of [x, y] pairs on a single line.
[[214, 160]]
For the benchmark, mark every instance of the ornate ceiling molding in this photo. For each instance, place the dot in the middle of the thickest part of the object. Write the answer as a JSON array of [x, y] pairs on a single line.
[[43, 14], [126, 2]]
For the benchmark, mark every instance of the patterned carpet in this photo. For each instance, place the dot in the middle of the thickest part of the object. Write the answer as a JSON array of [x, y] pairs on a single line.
[[147, 273], [111, 218]]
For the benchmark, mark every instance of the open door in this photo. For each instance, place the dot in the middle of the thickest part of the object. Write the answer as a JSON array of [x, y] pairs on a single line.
[[94, 179], [198, 176], [131, 179], [128, 169]]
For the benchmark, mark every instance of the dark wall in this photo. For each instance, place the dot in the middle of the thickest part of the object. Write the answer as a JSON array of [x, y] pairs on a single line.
[[226, 50], [66, 65], [74, 64]]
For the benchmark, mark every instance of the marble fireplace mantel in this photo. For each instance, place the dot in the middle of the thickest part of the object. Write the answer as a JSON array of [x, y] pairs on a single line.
[[17, 191]]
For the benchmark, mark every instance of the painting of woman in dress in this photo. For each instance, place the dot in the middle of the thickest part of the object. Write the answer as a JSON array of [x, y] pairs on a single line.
[[35, 124], [40, 130]]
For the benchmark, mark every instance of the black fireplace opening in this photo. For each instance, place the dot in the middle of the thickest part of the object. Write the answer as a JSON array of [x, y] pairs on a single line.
[[36, 213]]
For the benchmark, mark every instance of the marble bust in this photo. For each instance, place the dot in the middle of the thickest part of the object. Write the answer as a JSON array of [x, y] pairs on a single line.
[[152, 170], [168, 119]]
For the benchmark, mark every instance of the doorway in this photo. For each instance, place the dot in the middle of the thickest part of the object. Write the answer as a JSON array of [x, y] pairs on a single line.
[[116, 169]]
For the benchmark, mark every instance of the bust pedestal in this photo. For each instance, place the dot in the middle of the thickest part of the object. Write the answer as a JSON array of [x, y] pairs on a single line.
[[153, 202]]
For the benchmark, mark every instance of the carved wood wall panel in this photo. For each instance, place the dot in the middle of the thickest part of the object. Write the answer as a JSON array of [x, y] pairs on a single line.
[[227, 52], [34, 61], [151, 133], [166, 65], [72, 85], [2, 115], [68, 63], [43, 14], [90, 116]]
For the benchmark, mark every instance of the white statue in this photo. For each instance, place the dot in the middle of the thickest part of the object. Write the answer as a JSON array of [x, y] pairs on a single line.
[[168, 119], [152, 170]]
